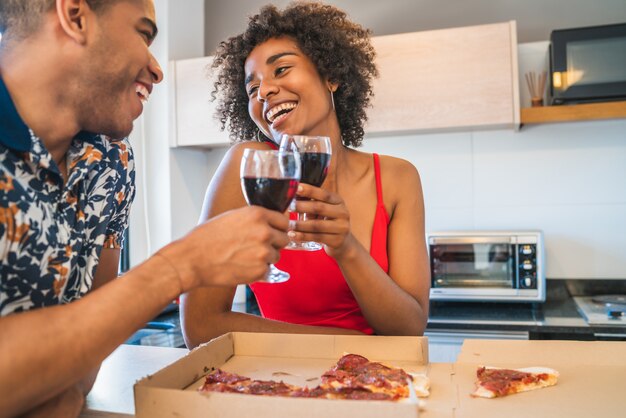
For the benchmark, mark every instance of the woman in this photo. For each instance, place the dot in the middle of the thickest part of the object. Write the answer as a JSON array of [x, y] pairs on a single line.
[[308, 70]]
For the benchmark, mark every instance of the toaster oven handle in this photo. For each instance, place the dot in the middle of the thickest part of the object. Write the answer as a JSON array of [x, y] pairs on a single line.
[[469, 240]]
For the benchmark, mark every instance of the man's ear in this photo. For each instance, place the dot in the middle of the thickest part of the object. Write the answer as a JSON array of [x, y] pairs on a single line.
[[72, 15]]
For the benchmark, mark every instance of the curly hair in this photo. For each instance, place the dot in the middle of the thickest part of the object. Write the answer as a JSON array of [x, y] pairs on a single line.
[[340, 50]]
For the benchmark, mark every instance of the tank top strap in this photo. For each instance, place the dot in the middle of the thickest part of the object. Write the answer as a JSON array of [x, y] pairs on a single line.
[[272, 144], [379, 184]]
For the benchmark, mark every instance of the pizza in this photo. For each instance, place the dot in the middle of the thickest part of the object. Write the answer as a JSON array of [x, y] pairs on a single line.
[[493, 382], [353, 371], [221, 381], [352, 377]]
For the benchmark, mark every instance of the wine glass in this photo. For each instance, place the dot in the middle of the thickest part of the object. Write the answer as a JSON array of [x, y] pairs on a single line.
[[270, 178], [315, 152]]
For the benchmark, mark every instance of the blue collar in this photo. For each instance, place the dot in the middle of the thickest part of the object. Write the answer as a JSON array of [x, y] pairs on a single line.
[[14, 133]]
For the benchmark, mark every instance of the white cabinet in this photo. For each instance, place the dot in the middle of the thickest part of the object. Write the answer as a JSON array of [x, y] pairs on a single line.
[[443, 80], [445, 345], [192, 110]]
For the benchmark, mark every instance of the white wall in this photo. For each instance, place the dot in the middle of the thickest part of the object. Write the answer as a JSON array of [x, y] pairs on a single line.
[[164, 208], [568, 180], [535, 18]]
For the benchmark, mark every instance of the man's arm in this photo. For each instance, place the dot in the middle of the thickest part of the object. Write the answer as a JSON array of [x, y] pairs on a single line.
[[108, 267], [60, 345], [107, 270], [70, 402]]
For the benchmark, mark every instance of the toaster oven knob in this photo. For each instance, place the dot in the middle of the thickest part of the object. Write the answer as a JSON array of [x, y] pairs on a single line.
[[527, 250], [528, 282], [527, 265]]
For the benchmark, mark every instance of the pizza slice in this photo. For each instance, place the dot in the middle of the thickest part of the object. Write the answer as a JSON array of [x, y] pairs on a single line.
[[352, 377], [493, 382], [355, 374], [222, 381]]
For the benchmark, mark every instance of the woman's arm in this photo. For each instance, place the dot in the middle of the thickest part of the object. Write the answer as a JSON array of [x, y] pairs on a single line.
[[206, 312], [394, 303]]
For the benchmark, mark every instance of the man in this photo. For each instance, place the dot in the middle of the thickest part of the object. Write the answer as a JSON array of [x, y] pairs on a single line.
[[68, 69]]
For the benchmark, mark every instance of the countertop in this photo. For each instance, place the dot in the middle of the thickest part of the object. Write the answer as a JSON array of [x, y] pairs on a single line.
[[112, 394], [556, 318]]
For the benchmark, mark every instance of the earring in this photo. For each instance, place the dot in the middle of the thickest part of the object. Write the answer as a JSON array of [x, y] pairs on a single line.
[[261, 137], [332, 98]]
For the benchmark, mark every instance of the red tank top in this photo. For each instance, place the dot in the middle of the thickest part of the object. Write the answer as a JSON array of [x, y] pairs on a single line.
[[317, 293]]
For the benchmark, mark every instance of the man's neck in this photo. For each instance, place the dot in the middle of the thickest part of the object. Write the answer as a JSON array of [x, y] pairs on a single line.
[[40, 97]]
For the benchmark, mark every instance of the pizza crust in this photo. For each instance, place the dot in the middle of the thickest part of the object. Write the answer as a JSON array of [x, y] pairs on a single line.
[[421, 385]]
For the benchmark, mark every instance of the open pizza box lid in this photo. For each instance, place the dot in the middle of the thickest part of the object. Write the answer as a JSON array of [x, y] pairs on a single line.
[[591, 379], [295, 359]]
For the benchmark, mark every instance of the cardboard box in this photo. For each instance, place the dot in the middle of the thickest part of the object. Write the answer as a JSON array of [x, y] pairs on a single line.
[[591, 382], [295, 359]]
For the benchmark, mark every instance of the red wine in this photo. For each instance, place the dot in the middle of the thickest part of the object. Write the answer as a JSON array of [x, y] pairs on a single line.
[[271, 193], [314, 167]]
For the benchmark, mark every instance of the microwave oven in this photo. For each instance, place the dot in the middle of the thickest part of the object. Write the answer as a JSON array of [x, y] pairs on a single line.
[[479, 266], [587, 64]]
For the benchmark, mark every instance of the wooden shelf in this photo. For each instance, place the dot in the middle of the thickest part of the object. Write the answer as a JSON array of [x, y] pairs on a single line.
[[570, 113]]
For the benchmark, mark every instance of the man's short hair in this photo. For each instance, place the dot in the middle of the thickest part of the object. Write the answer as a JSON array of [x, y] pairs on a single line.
[[21, 18]]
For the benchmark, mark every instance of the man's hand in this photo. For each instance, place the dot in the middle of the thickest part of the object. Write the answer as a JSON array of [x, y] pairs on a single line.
[[233, 248]]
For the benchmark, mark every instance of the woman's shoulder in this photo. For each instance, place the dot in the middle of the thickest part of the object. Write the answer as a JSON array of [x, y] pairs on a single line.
[[390, 167], [400, 178], [235, 152], [244, 145], [396, 168]]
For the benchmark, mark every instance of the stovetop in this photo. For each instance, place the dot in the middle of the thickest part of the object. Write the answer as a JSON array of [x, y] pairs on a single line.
[[598, 313]]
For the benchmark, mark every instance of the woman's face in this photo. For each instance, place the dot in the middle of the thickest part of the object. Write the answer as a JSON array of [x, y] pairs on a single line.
[[285, 92]]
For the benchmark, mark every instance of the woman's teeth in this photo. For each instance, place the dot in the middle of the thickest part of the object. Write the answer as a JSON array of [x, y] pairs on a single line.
[[279, 111], [280, 117]]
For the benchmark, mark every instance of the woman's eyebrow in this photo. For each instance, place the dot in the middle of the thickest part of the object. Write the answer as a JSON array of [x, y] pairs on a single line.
[[271, 60]]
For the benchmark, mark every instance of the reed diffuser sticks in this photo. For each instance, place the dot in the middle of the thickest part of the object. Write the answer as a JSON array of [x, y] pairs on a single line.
[[536, 85]]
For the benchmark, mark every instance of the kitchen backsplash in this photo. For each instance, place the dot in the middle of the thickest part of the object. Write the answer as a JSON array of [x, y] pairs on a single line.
[[567, 179]]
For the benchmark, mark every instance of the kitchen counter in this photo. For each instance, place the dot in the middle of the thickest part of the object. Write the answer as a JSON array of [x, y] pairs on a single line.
[[557, 318], [112, 394]]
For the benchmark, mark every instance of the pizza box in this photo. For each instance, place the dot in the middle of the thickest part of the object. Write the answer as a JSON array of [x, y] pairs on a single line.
[[591, 378], [294, 359]]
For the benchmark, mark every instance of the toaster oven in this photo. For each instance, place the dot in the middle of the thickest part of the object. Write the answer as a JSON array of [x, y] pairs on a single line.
[[487, 266]]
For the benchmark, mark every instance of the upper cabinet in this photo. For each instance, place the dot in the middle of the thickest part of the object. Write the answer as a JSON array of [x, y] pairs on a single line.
[[451, 79], [192, 110]]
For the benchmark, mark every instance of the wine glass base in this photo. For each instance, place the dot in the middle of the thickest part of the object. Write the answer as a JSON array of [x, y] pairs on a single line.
[[304, 246]]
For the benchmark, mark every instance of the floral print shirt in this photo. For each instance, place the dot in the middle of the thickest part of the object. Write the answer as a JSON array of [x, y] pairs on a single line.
[[51, 233]]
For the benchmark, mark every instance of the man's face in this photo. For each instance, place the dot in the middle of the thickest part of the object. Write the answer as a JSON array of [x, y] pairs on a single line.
[[119, 70]]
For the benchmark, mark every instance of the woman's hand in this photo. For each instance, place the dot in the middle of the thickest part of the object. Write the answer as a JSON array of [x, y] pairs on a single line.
[[327, 221]]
